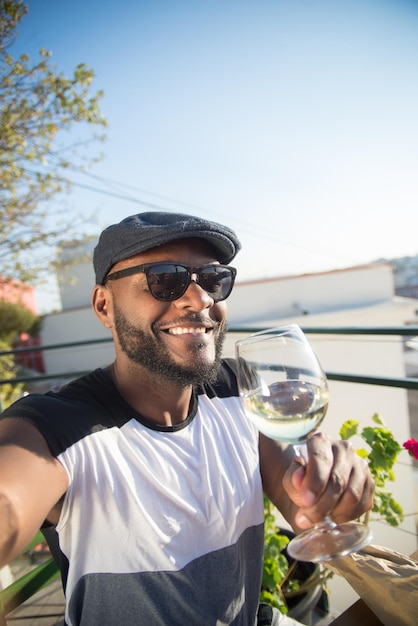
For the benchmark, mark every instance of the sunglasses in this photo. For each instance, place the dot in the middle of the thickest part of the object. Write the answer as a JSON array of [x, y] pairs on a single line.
[[169, 281]]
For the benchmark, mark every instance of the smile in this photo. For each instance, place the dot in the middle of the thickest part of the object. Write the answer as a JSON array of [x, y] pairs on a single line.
[[178, 330]]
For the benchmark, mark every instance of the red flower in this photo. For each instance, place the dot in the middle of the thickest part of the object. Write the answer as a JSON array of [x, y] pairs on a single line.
[[412, 446]]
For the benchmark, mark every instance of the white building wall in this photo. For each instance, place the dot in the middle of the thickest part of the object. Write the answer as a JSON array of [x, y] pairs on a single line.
[[363, 292], [308, 294], [76, 286], [76, 279], [70, 326]]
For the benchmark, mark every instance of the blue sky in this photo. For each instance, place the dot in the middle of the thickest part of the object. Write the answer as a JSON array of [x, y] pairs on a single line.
[[295, 122]]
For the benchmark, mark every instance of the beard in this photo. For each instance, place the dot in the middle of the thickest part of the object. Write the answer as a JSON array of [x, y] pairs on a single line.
[[144, 350]]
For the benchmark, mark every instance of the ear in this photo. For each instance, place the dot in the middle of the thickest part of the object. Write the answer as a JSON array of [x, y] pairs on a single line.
[[102, 305]]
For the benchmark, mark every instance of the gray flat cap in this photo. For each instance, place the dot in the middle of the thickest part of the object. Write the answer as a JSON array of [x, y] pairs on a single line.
[[145, 231]]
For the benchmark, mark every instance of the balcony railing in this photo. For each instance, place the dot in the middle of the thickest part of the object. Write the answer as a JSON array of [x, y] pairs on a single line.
[[403, 382]]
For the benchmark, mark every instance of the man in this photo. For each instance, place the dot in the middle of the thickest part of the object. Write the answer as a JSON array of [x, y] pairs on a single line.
[[148, 469]]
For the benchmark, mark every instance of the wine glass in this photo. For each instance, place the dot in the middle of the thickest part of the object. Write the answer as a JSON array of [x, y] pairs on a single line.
[[284, 392]]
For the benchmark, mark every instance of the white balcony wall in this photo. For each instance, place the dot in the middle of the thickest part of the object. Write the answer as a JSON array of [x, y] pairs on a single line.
[[74, 325], [76, 279], [362, 295], [263, 300]]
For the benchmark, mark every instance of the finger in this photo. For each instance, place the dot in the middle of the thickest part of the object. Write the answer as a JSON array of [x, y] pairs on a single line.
[[293, 483], [320, 460], [358, 495], [306, 478], [327, 476]]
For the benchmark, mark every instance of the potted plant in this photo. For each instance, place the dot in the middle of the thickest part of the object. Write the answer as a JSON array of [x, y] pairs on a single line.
[[295, 587]]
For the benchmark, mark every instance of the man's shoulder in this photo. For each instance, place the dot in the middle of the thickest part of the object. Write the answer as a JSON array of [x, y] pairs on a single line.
[[82, 407], [226, 383], [228, 371], [76, 391]]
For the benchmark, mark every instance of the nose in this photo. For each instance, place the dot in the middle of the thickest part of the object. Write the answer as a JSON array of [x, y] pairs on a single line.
[[195, 297]]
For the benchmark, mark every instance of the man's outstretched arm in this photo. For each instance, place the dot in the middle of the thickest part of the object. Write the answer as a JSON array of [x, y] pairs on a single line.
[[31, 484]]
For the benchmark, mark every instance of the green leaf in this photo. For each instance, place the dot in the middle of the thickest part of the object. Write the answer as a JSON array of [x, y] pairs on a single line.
[[348, 429], [362, 453], [274, 599], [377, 419], [387, 507]]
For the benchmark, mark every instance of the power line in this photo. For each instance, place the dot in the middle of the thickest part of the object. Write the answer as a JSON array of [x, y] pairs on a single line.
[[246, 226], [120, 197]]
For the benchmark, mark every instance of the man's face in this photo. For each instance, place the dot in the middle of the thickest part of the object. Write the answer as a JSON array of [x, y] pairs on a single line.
[[181, 340]]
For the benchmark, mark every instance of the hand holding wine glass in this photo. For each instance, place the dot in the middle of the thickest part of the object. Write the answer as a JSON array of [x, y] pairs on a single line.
[[284, 392]]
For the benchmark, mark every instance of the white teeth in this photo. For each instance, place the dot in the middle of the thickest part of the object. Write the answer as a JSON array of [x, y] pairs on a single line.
[[184, 331]]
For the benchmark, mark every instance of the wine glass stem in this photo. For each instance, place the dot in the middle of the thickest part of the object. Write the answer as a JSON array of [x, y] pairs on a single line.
[[301, 451], [326, 522]]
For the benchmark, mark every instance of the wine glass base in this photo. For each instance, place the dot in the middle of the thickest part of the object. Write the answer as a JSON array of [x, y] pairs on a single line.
[[327, 541]]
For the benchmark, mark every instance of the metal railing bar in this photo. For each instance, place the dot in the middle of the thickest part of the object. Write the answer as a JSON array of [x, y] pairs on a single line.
[[409, 330], [42, 377], [342, 330], [362, 330], [405, 383], [56, 346], [384, 381]]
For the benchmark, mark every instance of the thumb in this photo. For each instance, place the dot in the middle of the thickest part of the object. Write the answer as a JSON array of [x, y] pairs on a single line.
[[297, 476], [294, 485]]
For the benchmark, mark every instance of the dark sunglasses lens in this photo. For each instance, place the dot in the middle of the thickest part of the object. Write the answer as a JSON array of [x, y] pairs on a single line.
[[217, 281], [167, 281]]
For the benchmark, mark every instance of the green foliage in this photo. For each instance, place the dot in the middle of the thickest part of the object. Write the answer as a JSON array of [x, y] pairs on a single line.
[[40, 110], [276, 566], [8, 371], [280, 579], [15, 319], [381, 455]]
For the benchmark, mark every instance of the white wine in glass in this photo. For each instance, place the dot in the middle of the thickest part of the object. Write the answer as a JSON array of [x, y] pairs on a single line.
[[284, 392]]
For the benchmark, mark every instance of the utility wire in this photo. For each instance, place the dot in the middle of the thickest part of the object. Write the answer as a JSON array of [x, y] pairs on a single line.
[[245, 225]]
